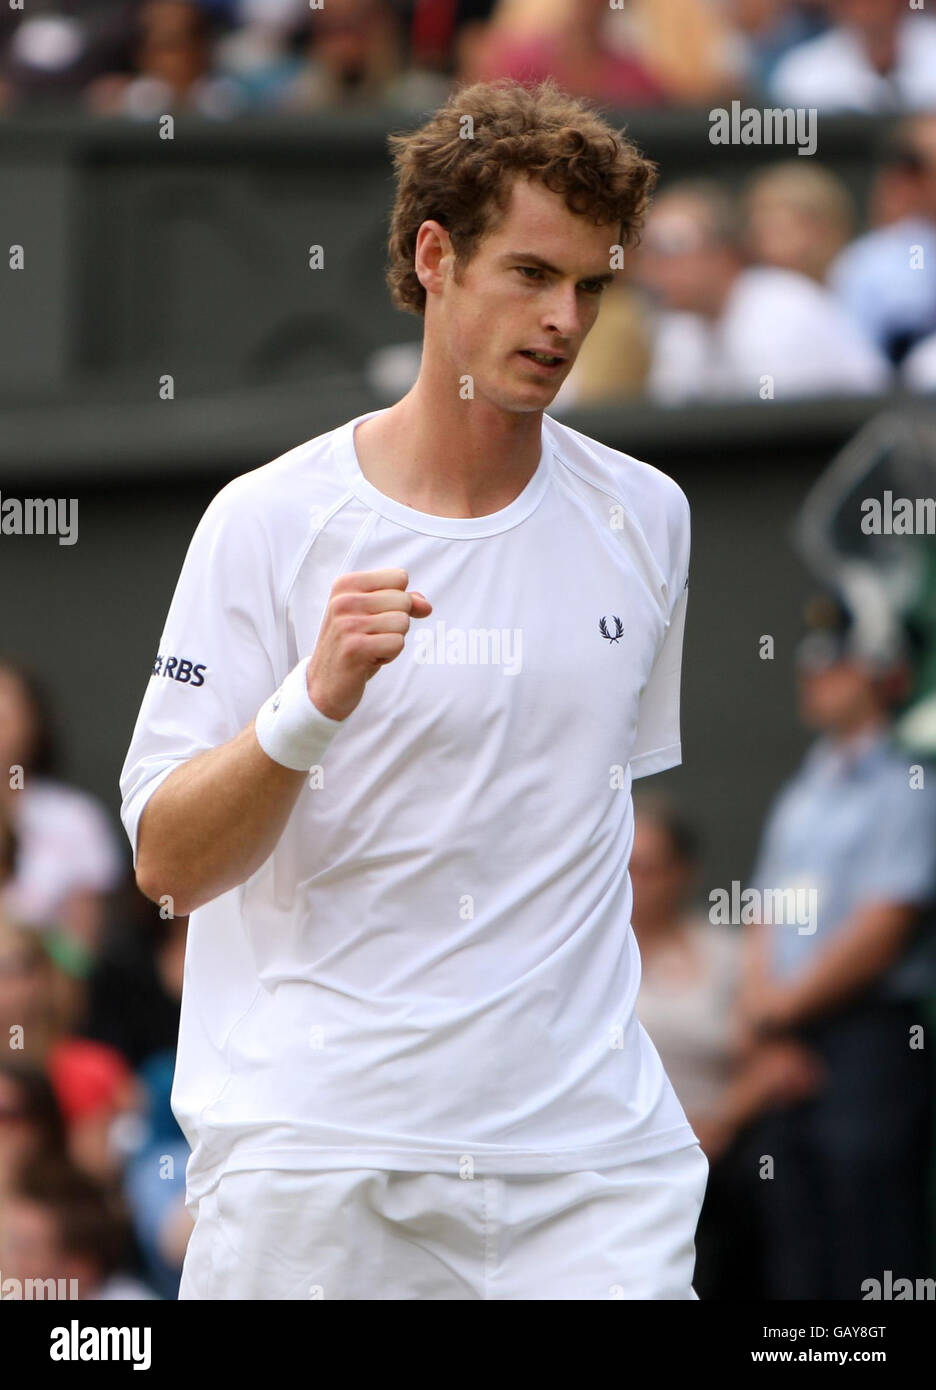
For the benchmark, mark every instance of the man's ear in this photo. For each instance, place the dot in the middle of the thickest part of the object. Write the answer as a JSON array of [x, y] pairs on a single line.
[[433, 250]]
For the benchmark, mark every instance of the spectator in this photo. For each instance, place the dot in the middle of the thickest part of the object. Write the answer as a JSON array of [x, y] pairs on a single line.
[[442, 33], [60, 1224], [173, 62], [577, 46], [55, 50], [135, 984], [101, 1101], [96, 1090], [32, 1129], [690, 981], [36, 1007], [798, 216], [887, 278], [730, 330], [258, 53], [848, 1197], [353, 57], [68, 858], [879, 55], [614, 360], [155, 1182], [690, 46], [766, 30]]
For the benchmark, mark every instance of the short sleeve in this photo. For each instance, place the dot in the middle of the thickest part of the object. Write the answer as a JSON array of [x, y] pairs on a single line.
[[900, 865], [657, 744], [217, 659]]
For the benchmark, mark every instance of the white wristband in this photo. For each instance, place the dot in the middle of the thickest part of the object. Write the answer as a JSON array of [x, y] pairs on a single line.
[[290, 728]]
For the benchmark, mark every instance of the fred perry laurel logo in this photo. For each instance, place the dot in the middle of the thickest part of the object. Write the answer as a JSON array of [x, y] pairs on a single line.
[[618, 628]]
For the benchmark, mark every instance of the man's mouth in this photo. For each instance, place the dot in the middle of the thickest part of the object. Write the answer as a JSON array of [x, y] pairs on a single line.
[[545, 359]]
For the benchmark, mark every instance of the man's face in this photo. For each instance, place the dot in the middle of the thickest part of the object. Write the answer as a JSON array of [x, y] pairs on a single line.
[[29, 1244], [924, 181], [681, 262], [836, 696], [871, 17], [533, 285]]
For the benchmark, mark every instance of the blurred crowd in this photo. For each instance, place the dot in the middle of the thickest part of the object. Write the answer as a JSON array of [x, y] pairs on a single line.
[[92, 1162], [780, 289], [226, 57], [776, 290]]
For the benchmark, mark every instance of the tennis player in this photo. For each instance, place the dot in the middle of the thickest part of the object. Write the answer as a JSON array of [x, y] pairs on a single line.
[[384, 760]]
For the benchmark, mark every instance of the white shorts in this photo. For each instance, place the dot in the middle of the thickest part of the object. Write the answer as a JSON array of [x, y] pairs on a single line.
[[371, 1234]]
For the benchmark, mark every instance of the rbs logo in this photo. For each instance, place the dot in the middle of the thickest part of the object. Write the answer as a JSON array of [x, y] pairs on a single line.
[[178, 669]]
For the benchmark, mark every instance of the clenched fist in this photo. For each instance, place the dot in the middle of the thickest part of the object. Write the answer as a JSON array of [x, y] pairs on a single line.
[[366, 622]]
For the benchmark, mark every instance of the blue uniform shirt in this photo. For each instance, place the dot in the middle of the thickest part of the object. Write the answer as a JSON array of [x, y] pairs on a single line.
[[852, 824]]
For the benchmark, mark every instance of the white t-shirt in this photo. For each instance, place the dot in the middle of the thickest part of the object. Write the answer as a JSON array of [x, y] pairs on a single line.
[[777, 324], [436, 963], [832, 72], [65, 844]]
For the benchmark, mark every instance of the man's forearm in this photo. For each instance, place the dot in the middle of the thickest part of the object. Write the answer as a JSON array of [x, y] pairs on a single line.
[[856, 955], [213, 822]]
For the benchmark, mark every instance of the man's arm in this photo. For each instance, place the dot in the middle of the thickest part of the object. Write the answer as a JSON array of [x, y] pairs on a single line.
[[217, 818], [213, 822], [858, 953]]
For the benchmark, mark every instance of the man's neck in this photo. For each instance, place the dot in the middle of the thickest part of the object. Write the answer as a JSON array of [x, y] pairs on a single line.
[[863, 731], [449, 457]]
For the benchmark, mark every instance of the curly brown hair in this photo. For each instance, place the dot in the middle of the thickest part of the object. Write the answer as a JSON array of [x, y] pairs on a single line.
[[463, 180]]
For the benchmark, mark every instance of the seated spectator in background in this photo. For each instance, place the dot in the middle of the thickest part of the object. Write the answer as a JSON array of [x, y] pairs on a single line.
[[729, 330], [583, 44], [690, 982], [258, 53], [37, 1005], [766, 30], [68, 858], [887, 278], [32, 1129], [614, 360], [135, 984], [50, 53], [845, 976], [879, 55], [95, 1087], [441, 37], [102, 1103], [353, 56], [172, 68], [155, 1182], [60, 1224], [690, 46], [797, 216]]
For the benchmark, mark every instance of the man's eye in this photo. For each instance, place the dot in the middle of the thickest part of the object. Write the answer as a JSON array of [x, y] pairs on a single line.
[[529, 270], [593, 286]]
